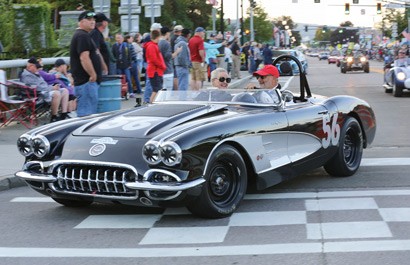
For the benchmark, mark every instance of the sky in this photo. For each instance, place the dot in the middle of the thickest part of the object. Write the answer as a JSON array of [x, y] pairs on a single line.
[[327, 12]]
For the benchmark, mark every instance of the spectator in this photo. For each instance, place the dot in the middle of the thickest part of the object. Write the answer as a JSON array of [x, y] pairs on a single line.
[[197, 51], [134, 66], [85, 63], [61, 71], [183, 60], [122, 54], [267, 55], [166, 51], [55, 94], [211, 51], [101, 23], [177, 32], [236, 59], [245, 51], [138, 49], [156, 65], [112, 64]]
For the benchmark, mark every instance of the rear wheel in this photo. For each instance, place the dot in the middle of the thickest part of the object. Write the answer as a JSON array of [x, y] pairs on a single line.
[[72, 203], [225, 186], [347, 159], [397, 89]]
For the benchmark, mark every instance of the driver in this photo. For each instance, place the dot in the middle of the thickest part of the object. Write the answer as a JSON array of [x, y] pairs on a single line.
[[267, 77], [402, 59]]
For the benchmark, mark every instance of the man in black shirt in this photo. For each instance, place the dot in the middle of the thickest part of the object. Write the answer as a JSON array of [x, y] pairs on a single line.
[[101, 23], [86, 62]]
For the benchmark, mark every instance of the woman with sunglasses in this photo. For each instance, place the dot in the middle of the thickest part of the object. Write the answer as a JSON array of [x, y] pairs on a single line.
[[220, 78]]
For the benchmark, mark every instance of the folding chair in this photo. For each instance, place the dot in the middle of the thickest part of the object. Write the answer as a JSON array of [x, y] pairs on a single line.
[[17, 103]]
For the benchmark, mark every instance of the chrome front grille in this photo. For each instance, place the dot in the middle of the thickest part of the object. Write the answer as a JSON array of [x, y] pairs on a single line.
[[94, 179]]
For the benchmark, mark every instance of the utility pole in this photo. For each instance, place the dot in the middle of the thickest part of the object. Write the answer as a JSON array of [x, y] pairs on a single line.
[[251, 20], [222, 17]]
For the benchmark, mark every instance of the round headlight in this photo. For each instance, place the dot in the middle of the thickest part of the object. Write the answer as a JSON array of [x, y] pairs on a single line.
[[41, 146], [363, 59], [171, 153], [349, 59], [24, 145], [151, 153], [401, 76]]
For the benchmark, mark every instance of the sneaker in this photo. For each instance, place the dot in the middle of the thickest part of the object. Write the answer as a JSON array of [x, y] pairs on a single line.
[[132, 95], [54, 118], [73, 114]]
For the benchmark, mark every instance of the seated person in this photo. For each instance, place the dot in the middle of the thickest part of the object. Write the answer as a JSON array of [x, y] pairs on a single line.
[[220, 80], [402, 60], [55, 94], [267, 77]]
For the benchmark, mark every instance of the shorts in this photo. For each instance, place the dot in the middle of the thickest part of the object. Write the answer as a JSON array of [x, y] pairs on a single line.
[[87, 98], [198, 72], [71, 97], [48, 95], [157, 82]]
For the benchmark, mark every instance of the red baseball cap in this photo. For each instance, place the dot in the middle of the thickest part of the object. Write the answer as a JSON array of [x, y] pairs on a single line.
[[267, 70]]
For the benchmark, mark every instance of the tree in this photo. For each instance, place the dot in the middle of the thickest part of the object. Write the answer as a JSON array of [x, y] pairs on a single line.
[[390, 16], [286, 23]]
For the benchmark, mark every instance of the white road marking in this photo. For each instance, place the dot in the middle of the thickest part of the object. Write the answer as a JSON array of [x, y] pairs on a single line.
[[346, 230], [340, 204], [185, 235], [268, 218], [32, 199], [395, 214], [119, 221], [268, 249], [398, 161]]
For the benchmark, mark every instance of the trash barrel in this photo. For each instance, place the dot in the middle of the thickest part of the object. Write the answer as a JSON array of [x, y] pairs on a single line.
[[109, 94]]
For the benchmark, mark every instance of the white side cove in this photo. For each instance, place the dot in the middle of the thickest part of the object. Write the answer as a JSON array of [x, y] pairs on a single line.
[[302, 145]]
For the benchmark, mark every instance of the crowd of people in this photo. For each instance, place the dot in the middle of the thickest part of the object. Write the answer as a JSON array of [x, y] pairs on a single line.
[[173, 59]]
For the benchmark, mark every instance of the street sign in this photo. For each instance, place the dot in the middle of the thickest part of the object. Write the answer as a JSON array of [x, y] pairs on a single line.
[[124, 10], [129, 2], [102, 6], [132, 26], [155, 12], [152, 2]]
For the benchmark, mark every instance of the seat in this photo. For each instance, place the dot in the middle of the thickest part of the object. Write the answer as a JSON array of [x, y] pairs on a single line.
[[17, 103]]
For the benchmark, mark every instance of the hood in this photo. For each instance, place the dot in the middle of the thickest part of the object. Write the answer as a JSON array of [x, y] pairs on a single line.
[[147, 122]]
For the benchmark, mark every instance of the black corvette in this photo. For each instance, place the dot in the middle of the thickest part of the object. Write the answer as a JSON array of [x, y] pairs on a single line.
[[199, 149]]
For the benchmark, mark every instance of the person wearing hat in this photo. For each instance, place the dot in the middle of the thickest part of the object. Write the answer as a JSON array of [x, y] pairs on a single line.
[[86, 65], [175, 34], [198, 57], [56, 95], [211, 51], [61, 71], [267, 77], [101, 24], [182, 61]]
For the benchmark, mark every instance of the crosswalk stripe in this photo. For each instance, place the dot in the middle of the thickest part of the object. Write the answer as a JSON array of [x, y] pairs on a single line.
[[266, 249]]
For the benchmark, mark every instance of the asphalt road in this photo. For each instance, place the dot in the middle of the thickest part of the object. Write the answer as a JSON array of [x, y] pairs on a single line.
[[313, 219]]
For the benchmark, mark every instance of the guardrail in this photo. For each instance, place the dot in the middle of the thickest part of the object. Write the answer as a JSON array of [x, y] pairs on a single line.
[[15, 65]]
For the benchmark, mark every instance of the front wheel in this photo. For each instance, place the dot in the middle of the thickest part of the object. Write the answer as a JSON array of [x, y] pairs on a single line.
[[225, 186], [397, 88], [347, 159]]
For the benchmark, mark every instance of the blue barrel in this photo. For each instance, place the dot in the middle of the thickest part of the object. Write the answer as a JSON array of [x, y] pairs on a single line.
[[109, 94]]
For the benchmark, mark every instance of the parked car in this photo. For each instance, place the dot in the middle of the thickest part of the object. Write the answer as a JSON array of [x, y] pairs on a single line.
[[355, 62], [298, 54], [199, 149]]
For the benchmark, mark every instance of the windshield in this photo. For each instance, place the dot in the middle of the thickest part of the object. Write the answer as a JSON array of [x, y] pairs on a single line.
[[276, 53], [253, 97]]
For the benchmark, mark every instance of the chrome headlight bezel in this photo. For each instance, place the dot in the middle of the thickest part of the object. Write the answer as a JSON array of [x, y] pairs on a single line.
[[24, 145], [171, 153], [40, 146], [363, 59], [151, 153]]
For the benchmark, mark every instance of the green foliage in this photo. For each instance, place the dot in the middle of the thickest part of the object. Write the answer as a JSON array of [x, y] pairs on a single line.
[[32, 28]]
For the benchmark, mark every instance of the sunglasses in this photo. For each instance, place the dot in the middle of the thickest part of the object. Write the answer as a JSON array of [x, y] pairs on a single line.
[[90, 15], [223, 79], [261, 77]]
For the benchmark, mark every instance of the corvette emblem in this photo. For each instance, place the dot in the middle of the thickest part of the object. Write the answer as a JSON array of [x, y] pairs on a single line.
[[97, 149]]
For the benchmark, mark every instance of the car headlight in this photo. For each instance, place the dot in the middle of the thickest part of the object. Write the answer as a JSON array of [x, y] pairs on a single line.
[[24, 145], [171, 153], [40, 145], [151, 153], [401, 76], [349, 59], [363, 59]]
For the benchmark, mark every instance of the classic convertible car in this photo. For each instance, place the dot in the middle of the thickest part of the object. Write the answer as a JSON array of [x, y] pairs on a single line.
[[397, 79], [199, 149], [355, 62]]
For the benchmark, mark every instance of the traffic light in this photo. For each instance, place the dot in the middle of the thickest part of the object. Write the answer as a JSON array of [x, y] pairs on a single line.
[[306, 28], [317, 1], [355, 1], [253, 3], [379, 8], [347, 9]]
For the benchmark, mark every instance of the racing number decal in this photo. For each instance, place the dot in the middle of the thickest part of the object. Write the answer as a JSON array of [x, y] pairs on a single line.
[[332, 130]]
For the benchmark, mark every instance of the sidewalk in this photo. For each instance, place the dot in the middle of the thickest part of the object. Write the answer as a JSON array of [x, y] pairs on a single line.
[[11, 160]]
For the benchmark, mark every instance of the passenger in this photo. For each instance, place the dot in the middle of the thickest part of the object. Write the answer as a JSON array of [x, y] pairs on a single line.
[[220, 78], [402, 59]]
